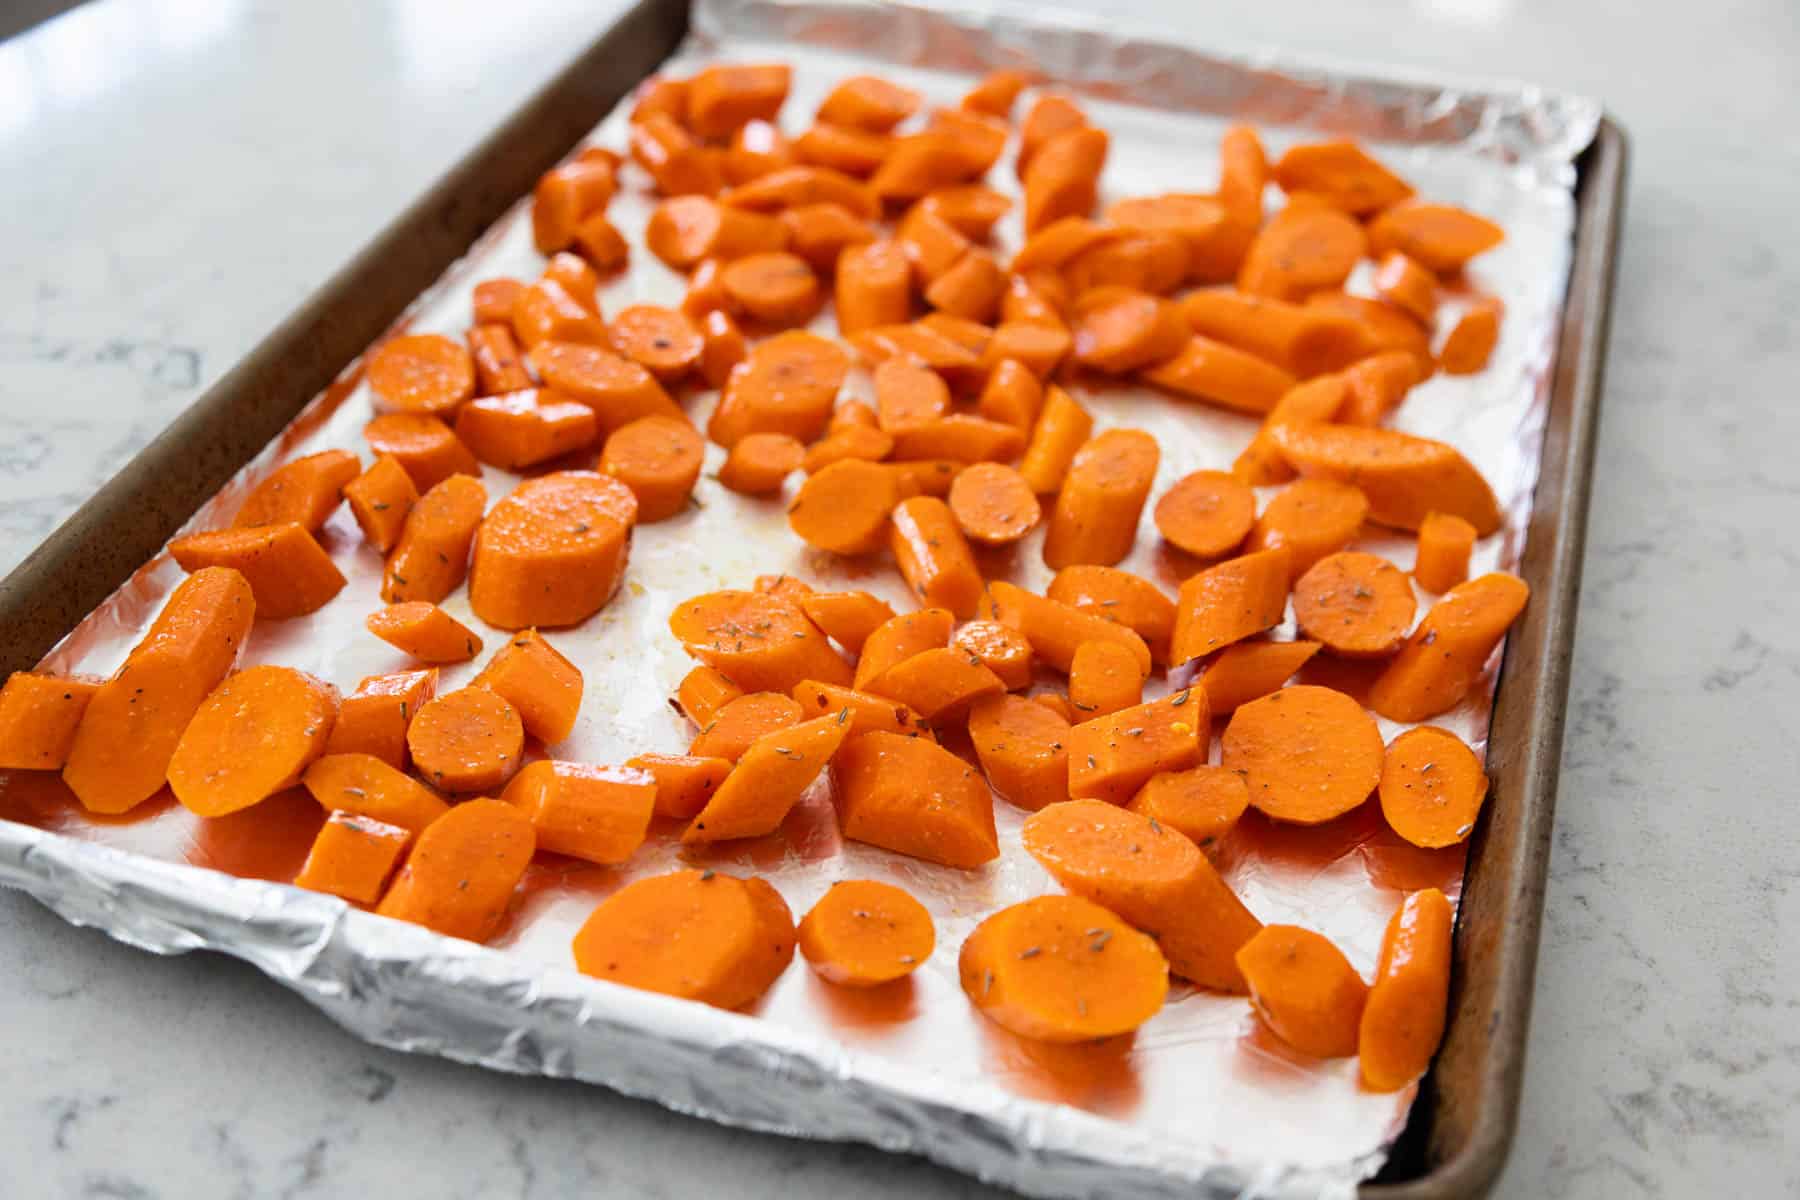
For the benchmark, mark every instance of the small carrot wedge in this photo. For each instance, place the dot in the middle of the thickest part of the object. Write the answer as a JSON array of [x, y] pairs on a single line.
[[845, 507], [1023, 748], [465, 741], [739, 723], [1201, 803], [863, 933], [1203, 369], [432, 556], [852, 152], [848, 618], [1104, 679], [1306, 753], [867, 102], [1055, 630], [1120, 597], [660, 94], [760, 642], [1057, 244], [522, 429], [683, 784], [940, 684], [366, 786], [1302, 341], [757, 148], [793, 187], [861, 712], [352, 857], [1247, 670], [39, 715], [1441, 236], [1153, 877], [251, 737], [1227, 603], [1432, 787], [933, 556], [1446, 653], [1062, 429], [373, 719], [618, 390], [1260, 464], [1471, 341], [1111, 757], [659, 459], [723, 98], [1000, 648], [683, 230], [760, 463], [1442, 559], [908, 394], [596, 813], [493, 300], [545, 688], [1117, 330], [564, 197], [661, 340], [788, 385], [702, 693], [1378, 384], [1384, 326], [1197, 221], [1102, 499], [767, 782], [1404, 477], [1342, 172], [1304, 249], [499, 362], [1013, 393], [970, 289], [993, 504], [1355, 605], [900, 638], [423, 446], [996, 93], [1147, 260], [1403, 1018], [873, 287], [1405, 284], [695, 935], [380, 499], [552, 553], [460, 877], [911, 796], [424, 631], [546, 312], [420, 373], [722, 347], [1060, 969], [1310, 519], [1206, 513], [1062, 177], [1304, 989], [288, 572], [306, 491], [820, 233]]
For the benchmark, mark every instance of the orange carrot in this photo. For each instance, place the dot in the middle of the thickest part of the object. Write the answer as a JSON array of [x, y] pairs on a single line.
[[1103, 679], [1446, 653], [1056, 630], [601, 244], [1229, 602], [1405, 284], [1147, 260], [767, 782], [793, 187], [971, 209], [757, 148], [368, 787], [1470, 342], [996, 92], [1310, 519], [1059, 969], [971, 288], [854, 152], [787, 385], [552, 553], [683, 784], [959, 437], [919, 341], [499, 364], [659, 459], [1118, 329], [1055, 245], [591, 812], [1304, 249], [1102, 498], [424, 631], [1304, 989], [1012, 394], [352, 857], [911, 796], [1203, 369], [1260, 464], [1112, 756], [423, 446], [1023, 747], [461, 874], [420, 373], [722, 98], [993, 504], [1153, 878], [918, 164], [867, 102], [844, 508], [1343, 173], [1217, 251], [977, 138], [932, 245], [777, 288], [661, 340], [683, 230], [863, 933], [1442, 559], [1432, 787], [1303, 341], [908, 395], [524, 428], [1050, 114], [900, 638], [760, 463], [39, 715], [660, 94], [1058, 704], [380, 499], [1201, 803], [251, 737], [1206, 513], [861, 712], [1440, 236], [1037, 345], [1355, 605], [1404, 477], [540, 683], [1000, 648], [873, 286], [760, 642], [933, 557], [820, 233], [926, 477], [677, 163], [1062, 177], [940, 684], [859, 442], [1120, 597], [433, 553], [1378, 384], [493, 300], [577, 278], [1062, 429], [722, 347], [288, 572], [1307, 753], [1384, 326], [373, 719], [1252, 668], [468, 740], [618, 390], [546, 312], [306, 491], [788, 587], [564, 197], [848, 618], [740, 722], [702, 693], [1403, 1020]]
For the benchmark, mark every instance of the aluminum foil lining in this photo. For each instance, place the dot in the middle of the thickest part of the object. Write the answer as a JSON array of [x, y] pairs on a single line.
[[1200, 1103]]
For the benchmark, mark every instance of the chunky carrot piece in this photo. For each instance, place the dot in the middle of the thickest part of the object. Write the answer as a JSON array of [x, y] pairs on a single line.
[[546, 312], [939, 684], [866, 102], [468, 740], [1442, 559], [1202, 369], [1216, 255], [564, 197], [618, 390], [499, 363], [1013, 393], [1103, 679], [462, 872], [1384, 326], [1403, 1018], [352, 857], [424, 631], [1060, 969], [933, 556], [861, 712], [863, 933], [959, 437], [926, 477], [305, 491], [767, 782], [39, 715], [996, 92], [1229, 602], [722, 347], [1201, 803], [1146, 260], [423, 446], [1302, 341], [820, 233], [1062, 177], [366, 786], [1471, 341], [760, 463], [932, 245], [911, 796], [1310, 519], [848, 618], [522, 429], [1102, 498], [678, 164], [1120, 597], [845, 507], [908, 394], [662, 340], [1404, 477], [380, 499], [993, 504], [659, 459], [853, 152], [1206, 513], [777, 288], [1000, 648], [251, 737], [696, 935], [971, 288], [1432, 787], [1056, 630], [757, 148], [1046, 251], [1440, 236], [1446, 653], [1343, 173], [761, 642], [900, 638], [920, 341], [702, 693], [540, 683], [373, 719], [1260, 464], [683, 784], [1023, 747], [683, 230], [1304, 249], [1378, 384], [660, 94], [1405, 284], [788, 385], [971, 209], [420, 373], [1252, 668], [1355, 605], [1112, 756], [794, 187], [1304, 989], [863, 442], [433, 552], [1050, 115], [1057, 703], [576, 277], [1119, 329], [493, 301], [1307, 753], [737, 724], [585, 811], [723, 98], [552, 553], [873, 286], [918, 164], [1061, 430], [288, 572], [601, 245]]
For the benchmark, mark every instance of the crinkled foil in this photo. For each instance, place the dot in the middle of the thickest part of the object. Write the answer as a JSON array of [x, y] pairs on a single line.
[[1200, 1102]]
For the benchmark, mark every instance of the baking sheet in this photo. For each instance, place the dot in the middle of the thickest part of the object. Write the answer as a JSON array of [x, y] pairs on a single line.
[[1199, 1092]]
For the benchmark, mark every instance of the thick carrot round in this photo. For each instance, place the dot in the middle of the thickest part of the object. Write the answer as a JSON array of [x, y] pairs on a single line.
[[1404, 477], [373, 718], [251, 737], [1249, 669], [683, 784], [820, 233], [288, 571], [1206, 513], [1471, 341], [678, 164], [1304, 249], [529, 674], [1229, 602], [760, 463], [380, 498], [420, 373], [1000, 648], [367, 786], [1304, 989], [908, 395], [1103, 679], [1056, 630], [600, 243], [424, 631], [584, 810], [757, 148], [767, 782], [1120, 597], [1342, 172], [522, 429], [552, 553], [618, 390], [911, 796], [433, 552], [993, 504], [761, 642], [1441, 236], [1112, 756], [352, 857], [1307, 754], [873, 287], [1446, 653], [1355, 605], [1012, 394], [1120, 329], [1403, 1019], [788, 384], [933, 556], [741, 721], [702, 692], [662, 340], [777, 288], [972, 288], [863, 933], [1023, 748], [1303, 341], [424, 446], [1442, 559], [1201, 803], [845, 507], [565, 196], [462, 872], [1096, 515], [683, 230], [493, 300], [306, 491], [1310, 519], [659, 459], [1202, 369], [1432, 787], [468, 740]]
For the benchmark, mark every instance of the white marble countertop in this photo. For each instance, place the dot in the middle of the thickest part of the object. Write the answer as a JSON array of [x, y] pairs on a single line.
[[178, 175]]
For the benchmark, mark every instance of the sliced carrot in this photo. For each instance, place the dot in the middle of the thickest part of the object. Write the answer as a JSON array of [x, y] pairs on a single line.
[[683, 784], [757, 148], [468, 740], [1103, 679], [1229, 602], [552, 553], [980, 139], [1471, 341], [1195, 221], [352, 857], [861, 712], [1050, 115], [761, 642], [424, 631], [583, 810], [1062, 428], [722, 98], [1056, 630], [993, 504], [1000, 648], [919, 341], [788, 587], [493, 300], [659, 459], [702, 693], [1203, 369], [499, 364], [432, 556], [854, 152], [1342, 172], [618, 390], [1039, 346], [959, 437], [1201, 803], [767, 782], [1378, 384], [932, 244], [918, 164], [1013, 394], [1206, 513], [251, 737], [1062, 177], [1118, 329], [461, 874], [39, 715], [868, 102], [564, 197], [1355, 605], [908, 395], [911, 796], [420, 373], [373, 719], [539, 682], [696, 935], [972, 288], [820, 233], [863, 933], [1120, 597], [1023, 747], [793, 187], [1404, 477], [1147, 260], [873, 286], [777, 288], [996, 92], [760, 463], [1405, 284], [926, 477], [1243, 178], [678, 164], [900, 638], [848, 618], [740, 722], [577, 278], [683, 230], [1252, 668], [1056, 703], [306, 491], [845, 507], [1304, 249], [288, 572], [546, 312], [722, 347], [1403, 1019], [366, 786], [1307, 753], [1384, 326], [423, 446], [1153, 878], [787, 385], [1112, 756], [1432, 787], [1260, 464], [1441, 236], [1060, 969], [859, 442], [933, 556], [972, 209], [1304, 989], [525, 428], [599, 242], [705, 295], [661, 340], [940, 684], [1446, 653], [1303, 341], [1310, 519], [1442, 559], [660, 94], [1102, 498]]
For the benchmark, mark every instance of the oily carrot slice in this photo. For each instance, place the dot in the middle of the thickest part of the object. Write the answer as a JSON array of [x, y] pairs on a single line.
[[980, 139], [854, 152], [1442, 559], [1304, 989], [1405, 284], [1062, 177], [820, 233], [433, 552], [493, 300], [380, 498], [678, 164], [1196, 221], [683, 230], [1384, 326], [959, 437], [1023, 748], [1471, 341], [740, 722], [1102, 499], [305, 491], [1057, 244], [1304, 249], [1252, 668], [972, 209], [1307, 753], [926, 477], [1039, 346], [696, 935], [552, 553], [1035, 297], [908, 394], [1432, 787], [722, 98], [39, 715], [1103, 679], [939, 685], [1446, 653], [970, 289], [919, 341], [867, 102], [1229, 602], [971, 336], [1050, 115], [1356, 605], [522, 429], [1343, 173], [793, 187], [767, 782], [468, 740], [722, 347], [352, 857], [373, 719], [860, 442], [933, 557], [918, 164], [424, 631], [601, 245], [911, 796], [1202, 369], [683, 784], [1403, 1018], [702, 693], [863, 933], [659, 459], [586, 811], [1201, 803], [1310, 519], [1302, 341], [564, 197], [546, 312], [873, 287], [288, 572], [1013, 394], [1117, 329], [1153, 877], [1378, 384], [1120, 597], [1056, 630], [932, 244], [545, 688], [662, 340], [1206, 513], [993, 505], [251, 737], [1243, 178], [1062, 429], [1000, 648], [618, 390], [996, 92], [1111, 757], [423, 446], [1260, 464], [861, 712], [777, 288], [848, 618], [420, 373], [759, 641], [499, 363], [900, 638], [660, 94], [463, 870], [366, 786], [577, 278], [757, 148], [1060, 969], [760, 463], [1440, 236], [788, 385], [1147, 260], [1404, 477], [845, 507], [1056, 703]]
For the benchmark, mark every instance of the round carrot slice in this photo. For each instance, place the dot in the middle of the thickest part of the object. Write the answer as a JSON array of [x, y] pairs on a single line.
[[661, 340], [1354, 604], [1304, 988], [1312, 518], [863, 933], [1201, 802], [761, 642], [1000, 648], [468, 740], [553, 552], [993, 504], [1432, 787], [658, 458], [908, 395], [421, 373], [251, 737], [845, 507], [778, 287], [1206, 513], [1307, 754], [760, 463]]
